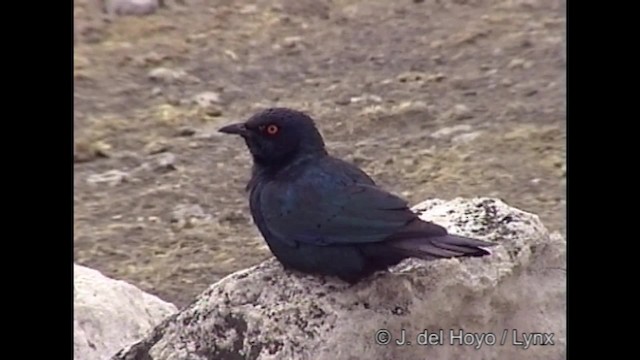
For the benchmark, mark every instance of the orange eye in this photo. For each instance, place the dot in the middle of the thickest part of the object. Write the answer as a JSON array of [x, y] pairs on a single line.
[[272, 129]]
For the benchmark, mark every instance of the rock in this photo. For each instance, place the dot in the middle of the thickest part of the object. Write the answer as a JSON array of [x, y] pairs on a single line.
[[158, 163], [414, 76], [368, 98], [130, 7], [113, 8], [188, 216], [171, 76], [83, 152], [111, 177], [110, 314], [157, 147], [186, 132], [156, 91], [206, 99], [164, 162], [457, 112], [506, 82], [343, 101], [461, 112], [410, 76], [466, 137], [520, 63], [291, 41], [450, 130], [248, 9], [147, 59], [265, 312]]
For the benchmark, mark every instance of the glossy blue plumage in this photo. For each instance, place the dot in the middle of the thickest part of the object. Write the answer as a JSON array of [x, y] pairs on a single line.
[[322, 215]]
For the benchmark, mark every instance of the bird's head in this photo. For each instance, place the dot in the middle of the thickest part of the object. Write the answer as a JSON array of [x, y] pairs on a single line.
[[277, 136]]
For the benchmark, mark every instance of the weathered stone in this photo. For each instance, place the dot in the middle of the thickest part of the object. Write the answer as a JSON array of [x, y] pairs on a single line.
[[110, 314], [267, 313]]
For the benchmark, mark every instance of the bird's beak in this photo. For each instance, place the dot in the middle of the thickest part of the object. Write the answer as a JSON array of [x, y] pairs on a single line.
[[237, 129]]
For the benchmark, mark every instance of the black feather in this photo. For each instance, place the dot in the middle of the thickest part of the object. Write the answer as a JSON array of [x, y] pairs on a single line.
[[322, 215]]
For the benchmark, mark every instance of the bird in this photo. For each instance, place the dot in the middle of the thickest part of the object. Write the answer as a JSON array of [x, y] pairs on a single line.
[[323, 216]]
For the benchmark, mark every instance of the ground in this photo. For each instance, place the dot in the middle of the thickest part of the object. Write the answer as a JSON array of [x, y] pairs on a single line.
[[435, 99]]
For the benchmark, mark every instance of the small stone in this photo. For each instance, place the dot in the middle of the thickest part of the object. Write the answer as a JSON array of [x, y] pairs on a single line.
[[213, 111], [520, 63], [436, 44], [248, 9], [234, 217], [83, 152], [164, 163], [366, 98], [526, 43], [466, 138], [111, 177], [188, 216], [150, 58], [170, 76], [409, 163], [232, 55], [80, 62], [438, 77], [186, 132], [461, 112], [515, 63], [343, 101], [156, 147], [410, 76], [430, 152], [130, 7], [506, 82], [291, 41], [101, 148], [450, 130], [206, 99], [438, 60]]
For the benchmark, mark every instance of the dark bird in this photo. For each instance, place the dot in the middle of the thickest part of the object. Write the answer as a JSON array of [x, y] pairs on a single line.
[[321, 215]]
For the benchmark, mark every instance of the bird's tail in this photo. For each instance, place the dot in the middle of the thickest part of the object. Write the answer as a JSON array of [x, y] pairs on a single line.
[[443, 246]]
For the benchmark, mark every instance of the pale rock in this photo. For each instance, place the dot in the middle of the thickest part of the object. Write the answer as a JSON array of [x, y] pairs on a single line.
[[265, 312], [110, 314]]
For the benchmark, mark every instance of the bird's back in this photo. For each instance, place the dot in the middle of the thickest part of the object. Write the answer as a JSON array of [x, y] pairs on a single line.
[[325, 168]]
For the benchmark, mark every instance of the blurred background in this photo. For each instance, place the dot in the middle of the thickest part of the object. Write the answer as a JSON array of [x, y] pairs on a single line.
[[434, 99]]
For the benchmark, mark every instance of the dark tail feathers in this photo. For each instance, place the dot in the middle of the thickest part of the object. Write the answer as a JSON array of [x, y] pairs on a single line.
[[445, 246]]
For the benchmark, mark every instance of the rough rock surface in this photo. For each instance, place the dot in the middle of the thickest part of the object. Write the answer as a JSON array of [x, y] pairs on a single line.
[[110, 314], [267, 313]]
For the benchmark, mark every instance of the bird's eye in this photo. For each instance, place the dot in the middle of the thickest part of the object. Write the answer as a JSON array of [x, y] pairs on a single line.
[[272, 129]]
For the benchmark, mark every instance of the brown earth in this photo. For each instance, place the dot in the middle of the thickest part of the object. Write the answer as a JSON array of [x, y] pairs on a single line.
[[432, 98]]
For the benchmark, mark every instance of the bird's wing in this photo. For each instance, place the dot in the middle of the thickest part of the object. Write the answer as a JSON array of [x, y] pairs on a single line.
[[328, 207]]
